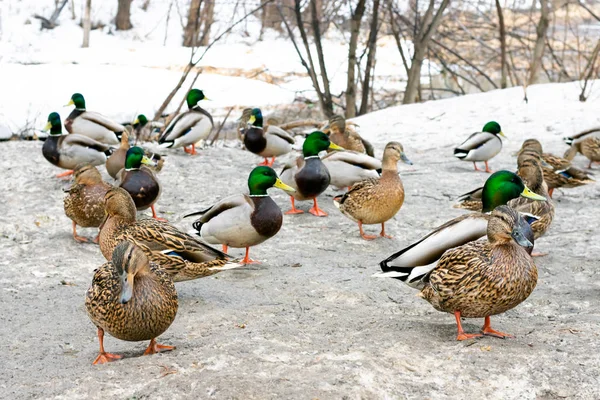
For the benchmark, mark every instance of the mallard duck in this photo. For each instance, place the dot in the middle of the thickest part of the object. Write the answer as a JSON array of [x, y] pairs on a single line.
[[481, 146], [68, 151], [181, 255], [270, 141], [144, 130], [589, 147], [244, 220], [92, 124], [341, 133], [132, 299], [140, 181], [376, 200], [84, 204], [307, 175], [481, 278], [116, 161], [416, 259], [348, 167], [570, 139], [558, 171], [189, 127]]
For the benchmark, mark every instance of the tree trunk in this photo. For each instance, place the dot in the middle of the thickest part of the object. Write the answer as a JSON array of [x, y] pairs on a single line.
[[208, 17], [351, 83], [540, 42], [190, 33], [372, 48], [124, 15], [87, 23], [328, 110], [503, 65]]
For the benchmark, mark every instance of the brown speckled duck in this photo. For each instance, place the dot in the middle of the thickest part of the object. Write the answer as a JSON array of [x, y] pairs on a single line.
[[132, 299], [481, 278], [84, 204], [589, 147], [376, 200], [181, 255], [343, 135]]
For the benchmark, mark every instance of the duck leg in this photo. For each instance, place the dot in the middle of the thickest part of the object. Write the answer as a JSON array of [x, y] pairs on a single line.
[[461, 333], [382, 233], [294, 210], [191, 152], [271, 162], [264, 163], [488, 331], [78, 238], [104, 357], [247, 259], [475, 165], [550, 191], [487, 168], [156, 217], [70, 172], [589, 166], [315, 210], [225, 248], [154, 347], [363, 234]]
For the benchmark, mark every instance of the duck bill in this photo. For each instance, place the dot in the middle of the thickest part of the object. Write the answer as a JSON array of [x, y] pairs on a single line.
[[405, 159], [137, 121], [503, 135], [126, 287], [279, 184], [147, 161], [48, 126], [531, 195], [334, 146], [519, 236], [252, 119], [70, 103]]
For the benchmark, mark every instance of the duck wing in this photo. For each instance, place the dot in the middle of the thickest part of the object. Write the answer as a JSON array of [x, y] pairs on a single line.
[[181, 125], [102, 120], [277, 131]]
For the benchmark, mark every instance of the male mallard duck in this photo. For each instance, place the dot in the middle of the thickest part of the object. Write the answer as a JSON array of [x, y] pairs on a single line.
[[189, 127], [181, 255], [348, 167], [376, 200], [307, 175], [481, 278], [140, 181], [68, 151], [481, 146], [92, 124], [244, 220], [84, 204], [116, 161], [270, 141], [131, 298], [589, 147], [342, 134], [417, 258], [144, 130]]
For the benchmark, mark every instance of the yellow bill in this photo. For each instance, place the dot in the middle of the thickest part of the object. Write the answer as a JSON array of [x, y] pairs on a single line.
[[531, 195], [48, 126], [279, 184], [252, 119], [147, 161], [502, 134], [137, 121], [334, 146], [70, 103]]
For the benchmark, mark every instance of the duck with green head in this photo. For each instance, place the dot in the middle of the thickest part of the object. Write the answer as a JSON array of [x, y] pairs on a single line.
[[481, 146], [189, 127], [266, 141], [307, 175], [92, 124], [243, 220], [139, 180], [69, 151], [145, 130]]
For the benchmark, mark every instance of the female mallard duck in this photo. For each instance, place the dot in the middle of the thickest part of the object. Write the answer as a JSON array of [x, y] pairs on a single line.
[[342, 134], [270, 141], [482, 278], [244, 220], [481, 146], [558, 171], [589, 147], [116, 161], [181, 255], [307, 175], [140, 181], [84, 204], [348, 167], [132, 299], [376, 200], [92, 124], [189, 127], [68, 151], [416, 259]]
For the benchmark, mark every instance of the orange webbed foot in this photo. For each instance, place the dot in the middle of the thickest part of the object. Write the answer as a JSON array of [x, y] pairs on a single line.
[[488, 331], [368, 237], [317, 212], [65, 174], [80, 239], [294, 211], [467, 336], [104, 358], [154, 348], [264, 163]]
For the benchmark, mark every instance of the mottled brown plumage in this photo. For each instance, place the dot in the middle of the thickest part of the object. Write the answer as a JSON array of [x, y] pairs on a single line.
[[589, 147], [181, 255], [343, 134], [131, 298], [84, 204]]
